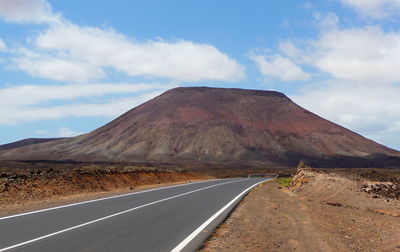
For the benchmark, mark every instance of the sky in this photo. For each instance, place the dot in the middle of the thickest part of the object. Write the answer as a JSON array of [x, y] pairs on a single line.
[[69, 67]]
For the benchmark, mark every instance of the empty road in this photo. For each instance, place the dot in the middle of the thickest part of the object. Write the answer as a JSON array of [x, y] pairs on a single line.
[[173, 218]]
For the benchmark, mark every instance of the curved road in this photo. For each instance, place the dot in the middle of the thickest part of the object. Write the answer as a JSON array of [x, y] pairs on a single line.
[[173, 218]]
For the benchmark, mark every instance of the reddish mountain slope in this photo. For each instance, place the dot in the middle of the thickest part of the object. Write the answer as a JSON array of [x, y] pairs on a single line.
[[215, 125]]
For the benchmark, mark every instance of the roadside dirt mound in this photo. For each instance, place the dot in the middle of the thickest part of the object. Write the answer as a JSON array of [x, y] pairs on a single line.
[[368, 221], [377, 184]]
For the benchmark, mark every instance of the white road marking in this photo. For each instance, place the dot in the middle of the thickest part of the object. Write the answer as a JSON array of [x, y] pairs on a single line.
[[112, 215], [100, 199], [188, 239]]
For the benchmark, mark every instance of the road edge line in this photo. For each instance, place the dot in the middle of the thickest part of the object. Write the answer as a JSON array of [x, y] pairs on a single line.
[[182, 246]]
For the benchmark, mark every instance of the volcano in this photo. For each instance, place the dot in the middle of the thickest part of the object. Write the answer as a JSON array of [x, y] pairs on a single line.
[[215, 125]]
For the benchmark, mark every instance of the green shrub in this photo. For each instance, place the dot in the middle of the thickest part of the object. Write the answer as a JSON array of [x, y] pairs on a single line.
[[285, 182]]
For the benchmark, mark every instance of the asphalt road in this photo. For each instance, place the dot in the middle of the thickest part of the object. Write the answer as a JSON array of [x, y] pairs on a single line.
[[175, 218]]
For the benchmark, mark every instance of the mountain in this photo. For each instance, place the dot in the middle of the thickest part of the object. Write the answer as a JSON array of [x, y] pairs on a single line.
[[216, 125]]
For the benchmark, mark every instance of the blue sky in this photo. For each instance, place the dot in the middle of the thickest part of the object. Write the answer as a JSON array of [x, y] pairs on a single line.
[[68, 67]]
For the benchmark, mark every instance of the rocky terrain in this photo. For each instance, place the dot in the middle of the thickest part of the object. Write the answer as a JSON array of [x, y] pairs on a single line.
[[199, 125], [326, 210]]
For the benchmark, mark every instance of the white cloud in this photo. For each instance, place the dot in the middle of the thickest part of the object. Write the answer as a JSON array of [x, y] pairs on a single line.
[[35, 94], [64, 51], [368, 108], [326, 20], [60, 132], [87, 50], [31, 103], [180, 60], [67, 132], [363, 54], [112, 108], [59, 69], [279, 67], [27, 11], [3, 46], [374, 8], [307, 6], [289, 49], [42, 132]]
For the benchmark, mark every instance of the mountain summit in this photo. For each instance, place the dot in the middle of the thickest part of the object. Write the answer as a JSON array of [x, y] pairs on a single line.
[[214, 125]]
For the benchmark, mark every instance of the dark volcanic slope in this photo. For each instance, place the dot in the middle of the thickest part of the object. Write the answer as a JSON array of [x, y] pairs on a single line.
[[214, 125], [26, 142]]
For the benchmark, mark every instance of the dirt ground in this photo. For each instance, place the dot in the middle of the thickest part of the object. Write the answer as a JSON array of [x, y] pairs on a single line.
[[322, 211]]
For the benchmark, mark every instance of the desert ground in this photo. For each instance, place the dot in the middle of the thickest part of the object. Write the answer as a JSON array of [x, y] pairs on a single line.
[[321, 210]]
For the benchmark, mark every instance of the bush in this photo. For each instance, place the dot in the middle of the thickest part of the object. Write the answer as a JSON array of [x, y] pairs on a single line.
[[285, 182], [301, 165]]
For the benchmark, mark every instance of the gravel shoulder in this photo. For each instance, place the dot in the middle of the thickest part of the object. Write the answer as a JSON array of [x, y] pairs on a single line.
[[320, 212]]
